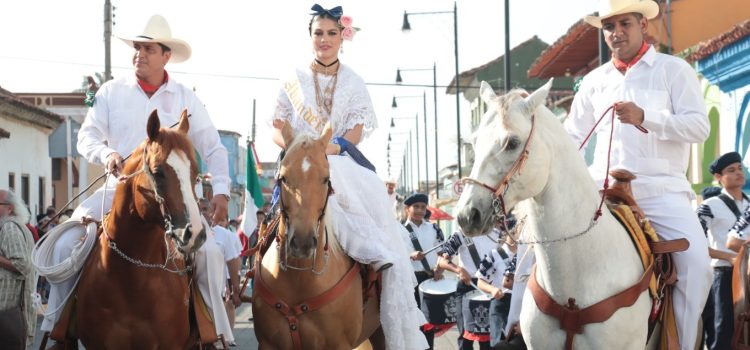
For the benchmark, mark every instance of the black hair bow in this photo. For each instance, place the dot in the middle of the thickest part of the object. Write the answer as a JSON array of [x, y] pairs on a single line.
[[335, 12]]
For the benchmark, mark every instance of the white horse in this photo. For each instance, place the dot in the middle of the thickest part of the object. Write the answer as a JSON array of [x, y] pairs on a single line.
[[576, 257]]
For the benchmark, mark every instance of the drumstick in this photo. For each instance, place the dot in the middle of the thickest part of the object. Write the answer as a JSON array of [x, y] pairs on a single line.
[[481, 291], [433, 248]]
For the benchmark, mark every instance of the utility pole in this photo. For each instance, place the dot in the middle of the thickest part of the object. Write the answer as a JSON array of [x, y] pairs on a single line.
[[252, 133], [107, 40]]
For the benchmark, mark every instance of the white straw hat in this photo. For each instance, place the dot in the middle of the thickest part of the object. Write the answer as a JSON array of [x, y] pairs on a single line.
[[609, 8], [157, 31]]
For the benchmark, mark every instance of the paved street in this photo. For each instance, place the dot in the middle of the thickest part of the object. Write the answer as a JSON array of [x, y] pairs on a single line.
[[245, 334]]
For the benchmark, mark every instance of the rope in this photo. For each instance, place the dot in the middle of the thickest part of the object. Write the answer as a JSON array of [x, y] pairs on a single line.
[[41, 255]]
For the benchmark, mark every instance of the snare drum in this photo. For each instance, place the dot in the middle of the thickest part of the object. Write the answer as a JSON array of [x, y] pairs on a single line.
[[476, 312], [439, 300]]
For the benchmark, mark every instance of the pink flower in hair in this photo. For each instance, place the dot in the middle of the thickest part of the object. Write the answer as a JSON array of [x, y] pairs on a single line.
[[345, 21], [347, 33]]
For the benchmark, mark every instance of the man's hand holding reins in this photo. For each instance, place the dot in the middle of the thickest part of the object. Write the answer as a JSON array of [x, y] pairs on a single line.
[[629, 113], [113, 164]]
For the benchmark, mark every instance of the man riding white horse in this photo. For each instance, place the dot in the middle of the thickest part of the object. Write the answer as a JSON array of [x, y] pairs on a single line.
[[660, 93]]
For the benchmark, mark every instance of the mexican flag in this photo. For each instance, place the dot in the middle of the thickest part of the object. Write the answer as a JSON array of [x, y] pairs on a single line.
[[253, 195]]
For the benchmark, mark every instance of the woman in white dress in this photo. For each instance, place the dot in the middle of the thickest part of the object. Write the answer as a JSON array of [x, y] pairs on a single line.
[[323, 91]]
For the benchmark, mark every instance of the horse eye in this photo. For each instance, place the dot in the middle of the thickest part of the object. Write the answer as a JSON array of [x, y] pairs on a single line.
[[326, 179], [512, 143]]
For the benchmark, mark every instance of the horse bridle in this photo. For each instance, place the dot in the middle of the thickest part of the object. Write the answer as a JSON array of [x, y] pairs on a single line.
[[169, 232], [284, 264], [499, 212]]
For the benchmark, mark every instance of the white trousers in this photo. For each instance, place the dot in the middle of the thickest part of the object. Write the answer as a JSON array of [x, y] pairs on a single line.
[[208, 275], [672, 216], [524, 264]]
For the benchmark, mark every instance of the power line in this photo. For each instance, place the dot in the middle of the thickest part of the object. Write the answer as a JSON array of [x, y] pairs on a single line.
[[219, 75]]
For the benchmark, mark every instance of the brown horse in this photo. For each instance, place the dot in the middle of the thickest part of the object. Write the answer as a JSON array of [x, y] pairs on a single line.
[[134, 289], [307, 292]]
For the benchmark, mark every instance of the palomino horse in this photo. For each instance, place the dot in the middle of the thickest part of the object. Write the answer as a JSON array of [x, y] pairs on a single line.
[[307, 292], [134, 290], [523, 149]]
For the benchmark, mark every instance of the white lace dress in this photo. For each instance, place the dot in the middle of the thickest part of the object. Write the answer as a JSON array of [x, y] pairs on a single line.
[[359, 210]]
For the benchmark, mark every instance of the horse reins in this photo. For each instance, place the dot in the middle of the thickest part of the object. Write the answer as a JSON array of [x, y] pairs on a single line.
[[168, 227], [80, 193], [605, 186], [285, 216], [498, 203]]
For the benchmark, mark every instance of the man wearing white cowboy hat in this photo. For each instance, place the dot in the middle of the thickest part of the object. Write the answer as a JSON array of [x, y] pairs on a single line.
[[116, 124], [660, 112]]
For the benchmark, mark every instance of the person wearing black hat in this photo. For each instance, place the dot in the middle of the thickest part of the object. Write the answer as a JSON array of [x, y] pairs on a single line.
[[718, 214], [423, 235]]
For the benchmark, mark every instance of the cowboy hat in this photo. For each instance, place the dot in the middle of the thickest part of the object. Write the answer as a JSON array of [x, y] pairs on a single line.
[[157, 31], [391, 181], [609, 8]]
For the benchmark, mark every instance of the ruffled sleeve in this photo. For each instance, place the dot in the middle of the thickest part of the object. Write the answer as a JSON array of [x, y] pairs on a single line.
[[283, 109], [354, 104]]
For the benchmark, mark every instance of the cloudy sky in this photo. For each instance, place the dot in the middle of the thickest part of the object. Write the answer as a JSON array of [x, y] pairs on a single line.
[[240, 48]]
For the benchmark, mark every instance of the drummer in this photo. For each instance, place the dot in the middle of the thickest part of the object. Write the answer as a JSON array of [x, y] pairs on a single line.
[[423, 235], [495, 277], [469, 252]]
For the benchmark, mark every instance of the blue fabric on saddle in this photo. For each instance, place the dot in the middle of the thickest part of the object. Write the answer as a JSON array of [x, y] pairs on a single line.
[[353, 152]]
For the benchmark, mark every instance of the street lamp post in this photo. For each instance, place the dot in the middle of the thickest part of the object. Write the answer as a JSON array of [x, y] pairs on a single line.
[[394, 105], [406, 26], [434, 97], [388, 149], [406, 172]]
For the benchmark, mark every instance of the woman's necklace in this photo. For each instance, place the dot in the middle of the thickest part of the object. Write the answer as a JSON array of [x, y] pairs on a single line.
[[324, 98]]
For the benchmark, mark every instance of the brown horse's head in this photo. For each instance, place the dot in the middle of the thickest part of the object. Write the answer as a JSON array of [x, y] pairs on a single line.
[[163, 191], [305, 187]]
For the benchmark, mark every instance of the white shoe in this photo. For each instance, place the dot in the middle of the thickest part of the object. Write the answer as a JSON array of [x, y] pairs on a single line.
[[380, 266]]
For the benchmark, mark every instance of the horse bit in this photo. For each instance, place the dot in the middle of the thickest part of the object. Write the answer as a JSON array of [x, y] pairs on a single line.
[[168, 227], [284, 265]]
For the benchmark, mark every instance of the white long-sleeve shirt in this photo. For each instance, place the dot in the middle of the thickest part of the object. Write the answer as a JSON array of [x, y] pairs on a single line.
[[717, 221], [667, 90], [117, 123]]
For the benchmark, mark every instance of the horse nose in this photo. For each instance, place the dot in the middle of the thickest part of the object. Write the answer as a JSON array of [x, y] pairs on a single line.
[[470, 220], [188, 233], [303, 246]]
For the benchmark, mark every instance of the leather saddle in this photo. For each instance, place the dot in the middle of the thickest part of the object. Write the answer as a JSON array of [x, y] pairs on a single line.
[[651, 249]]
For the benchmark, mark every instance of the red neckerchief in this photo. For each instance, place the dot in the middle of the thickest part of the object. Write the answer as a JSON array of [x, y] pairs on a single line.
[[623, 67], [151, 89]]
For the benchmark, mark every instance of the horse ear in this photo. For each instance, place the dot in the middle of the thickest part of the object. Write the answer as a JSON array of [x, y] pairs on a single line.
[[287, 133], [153, 126], [538, 97], [487, 92], [184, 122], [325, 136]]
